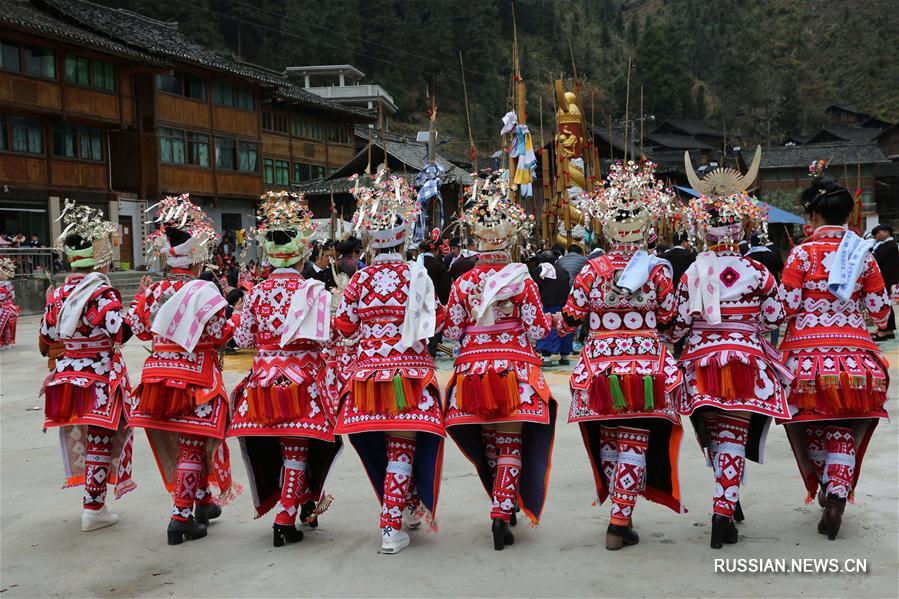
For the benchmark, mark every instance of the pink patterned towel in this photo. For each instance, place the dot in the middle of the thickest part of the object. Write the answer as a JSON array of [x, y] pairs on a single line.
[[183, 316]]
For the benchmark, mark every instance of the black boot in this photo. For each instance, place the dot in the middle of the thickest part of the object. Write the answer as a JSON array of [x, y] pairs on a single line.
[[832, 517], [179, 530], [723, 531], [502, 536], [286, 533], [514, 520], [204, 512], [308, 515], [618, 536], [738, 512]]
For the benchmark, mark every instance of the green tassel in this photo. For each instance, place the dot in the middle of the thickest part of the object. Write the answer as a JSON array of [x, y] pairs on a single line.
[[648, 400], [398, 394], [618, 402]]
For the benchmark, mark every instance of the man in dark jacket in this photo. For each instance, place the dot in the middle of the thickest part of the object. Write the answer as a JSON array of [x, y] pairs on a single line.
[[680, 255], [554, 285], [429, 257], [886, 254], [573, 262]]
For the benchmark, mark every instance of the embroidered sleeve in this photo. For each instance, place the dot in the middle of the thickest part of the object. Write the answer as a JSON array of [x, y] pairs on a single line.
[[219, 328], [245, 336], [456, 314], [577, 306], [48, 332], [683, 319], [537, 324], [772, 309], [346, 321], [875, 296], [792, 279], [138, 316], [665, 294]]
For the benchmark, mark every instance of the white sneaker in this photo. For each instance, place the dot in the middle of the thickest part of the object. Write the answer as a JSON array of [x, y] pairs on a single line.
[[97, 519], [411, 518], [393, 541]]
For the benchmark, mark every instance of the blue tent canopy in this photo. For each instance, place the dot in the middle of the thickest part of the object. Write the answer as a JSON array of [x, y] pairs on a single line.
[[775, 214]]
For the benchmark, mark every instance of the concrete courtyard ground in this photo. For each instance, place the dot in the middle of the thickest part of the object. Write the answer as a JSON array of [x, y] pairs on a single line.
[[43, 552]]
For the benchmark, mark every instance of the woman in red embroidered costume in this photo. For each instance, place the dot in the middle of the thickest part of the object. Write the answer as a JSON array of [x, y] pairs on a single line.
[[734, 381], [9, 311], [626, 386], [181, 401], [499, 407], [279, 410], [830, 281], [87, 392], [391, 405]]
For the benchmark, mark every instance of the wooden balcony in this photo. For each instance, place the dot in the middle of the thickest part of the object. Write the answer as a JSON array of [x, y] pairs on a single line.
[[24, 170], [182, 111], [80, 175]]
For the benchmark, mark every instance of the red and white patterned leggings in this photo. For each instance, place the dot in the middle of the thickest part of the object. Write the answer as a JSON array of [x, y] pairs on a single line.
[[97, 461], [831, 451]]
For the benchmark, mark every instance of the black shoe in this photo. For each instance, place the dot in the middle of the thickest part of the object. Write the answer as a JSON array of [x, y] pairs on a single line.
[[832, 517], [180, 529], [502, 536], [564, 362], [618, 536], [204, 512], [308, 515], [286, 533], [738, 512], [513, 521], [723, 531]]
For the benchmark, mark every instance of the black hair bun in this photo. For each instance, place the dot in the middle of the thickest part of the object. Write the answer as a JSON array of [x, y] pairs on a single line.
[[175, 236], [829, 199], [76, 242], [279, 237]]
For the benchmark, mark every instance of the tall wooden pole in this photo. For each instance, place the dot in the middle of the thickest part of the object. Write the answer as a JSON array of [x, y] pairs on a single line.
[[627, 104], [471, 148], [641, 121]]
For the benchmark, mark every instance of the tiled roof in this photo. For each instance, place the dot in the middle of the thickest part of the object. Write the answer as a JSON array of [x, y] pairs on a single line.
[[682, 142], [691, 126], [836, 153], [845, 133], [22, 14], [411, 155]]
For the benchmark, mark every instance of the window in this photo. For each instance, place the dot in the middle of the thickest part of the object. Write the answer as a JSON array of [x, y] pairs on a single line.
[[194, 87], [268, 171], [341, 135], [245, 99], [3, 145], [249, 157], [233, 96], [308, 129], [318, 171], [273, 121], [64, 137], [282, 172], [222, 93], [182, 84], [90, 143], [102, 75], [171, 146], [168, 83], [77, 70], [225, 154], [9, 57], [27, 135], [40, 62], [300, 171], [197, 149]]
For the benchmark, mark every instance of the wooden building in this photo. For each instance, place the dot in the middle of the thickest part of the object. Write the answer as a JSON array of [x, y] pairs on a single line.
[[114, 108]]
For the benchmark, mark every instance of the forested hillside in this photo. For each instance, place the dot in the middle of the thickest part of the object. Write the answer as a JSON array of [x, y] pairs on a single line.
[[758, 70]]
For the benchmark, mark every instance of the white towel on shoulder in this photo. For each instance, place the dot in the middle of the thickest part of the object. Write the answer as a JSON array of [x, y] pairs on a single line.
[[847, 264], [704, 287], [498, 287], [183, 317], [420, 320], [309, 315], [73, 308]]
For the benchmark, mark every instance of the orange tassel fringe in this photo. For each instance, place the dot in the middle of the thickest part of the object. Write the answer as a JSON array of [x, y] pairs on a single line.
[[159, 400], [65, 403], [734, 382], [490, 395], [380, 397], [276, 404], [634, 390]]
